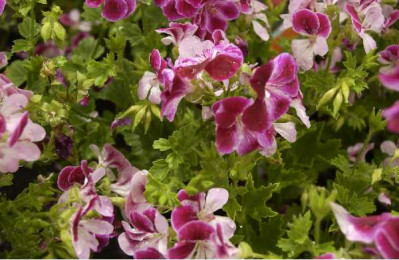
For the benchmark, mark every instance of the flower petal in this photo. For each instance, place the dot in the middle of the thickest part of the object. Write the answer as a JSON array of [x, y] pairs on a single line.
[[195, 230]]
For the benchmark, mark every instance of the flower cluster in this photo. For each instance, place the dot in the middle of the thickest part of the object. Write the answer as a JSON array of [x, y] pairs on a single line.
[[242, 124], [18, 133], [146, 231]]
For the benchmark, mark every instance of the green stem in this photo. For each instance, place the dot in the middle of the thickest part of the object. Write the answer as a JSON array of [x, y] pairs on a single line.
[[317, 230], [100, 36], [99, 120]]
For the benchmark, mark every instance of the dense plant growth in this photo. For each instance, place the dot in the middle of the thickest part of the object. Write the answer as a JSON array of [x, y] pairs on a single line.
[[199, 129]]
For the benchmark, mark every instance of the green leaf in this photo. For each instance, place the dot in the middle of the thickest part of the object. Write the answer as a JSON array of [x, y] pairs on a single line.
[[232, 207], [6, 179], [85, 49], [91, 14], [99, 72], [297, 240], [28, 28], [17, 72], [162, 145], [21, 45], [159, 193], [132, 32], [160, 169], [254, 200]]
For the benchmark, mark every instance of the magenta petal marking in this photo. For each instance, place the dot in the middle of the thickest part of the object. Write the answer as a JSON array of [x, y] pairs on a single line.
[[115, 10], [387, 239], [19, 129], [195, 230], [141, 222], [182, 215], [148, 253], [325, 25], [181, 250], [305, 21], [255, 117]]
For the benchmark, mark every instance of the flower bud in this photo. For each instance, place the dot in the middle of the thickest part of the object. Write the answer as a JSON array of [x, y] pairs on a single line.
[[327, 97]]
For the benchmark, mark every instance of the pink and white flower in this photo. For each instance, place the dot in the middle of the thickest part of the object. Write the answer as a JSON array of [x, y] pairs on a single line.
[[177, 32], [389, 147], [221, 60], [73, 20], [380, 230], [18, 133], [215, 14], [316, 27], [389, 74], [149, 84], [200, 233], [366, 16], [391, 16], [391, 114], [276, 83], [202, 207], [353, 151], [255, 10], [179, 9], [209, 15], [149, 232], [89, 234]]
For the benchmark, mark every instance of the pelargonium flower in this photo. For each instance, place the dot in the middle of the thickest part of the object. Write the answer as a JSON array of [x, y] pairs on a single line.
[[17, 131], [277, 84], [71, 175], [353, 151], [149, 232], [235, 129], [177, 32], [215, 14], [179, 9], [201, 207], [89, 234], [149, 84], [110, 158], [366, 16], [296, 5], [209, 15], [175, 89], [391, 114], [135, 200], [391, 16], [73, 19], [389, 75], [194, 241], [389, 147], [86, 179], [317, 27], [114, 10], [255, 10], [221, 61], [380, 230]]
